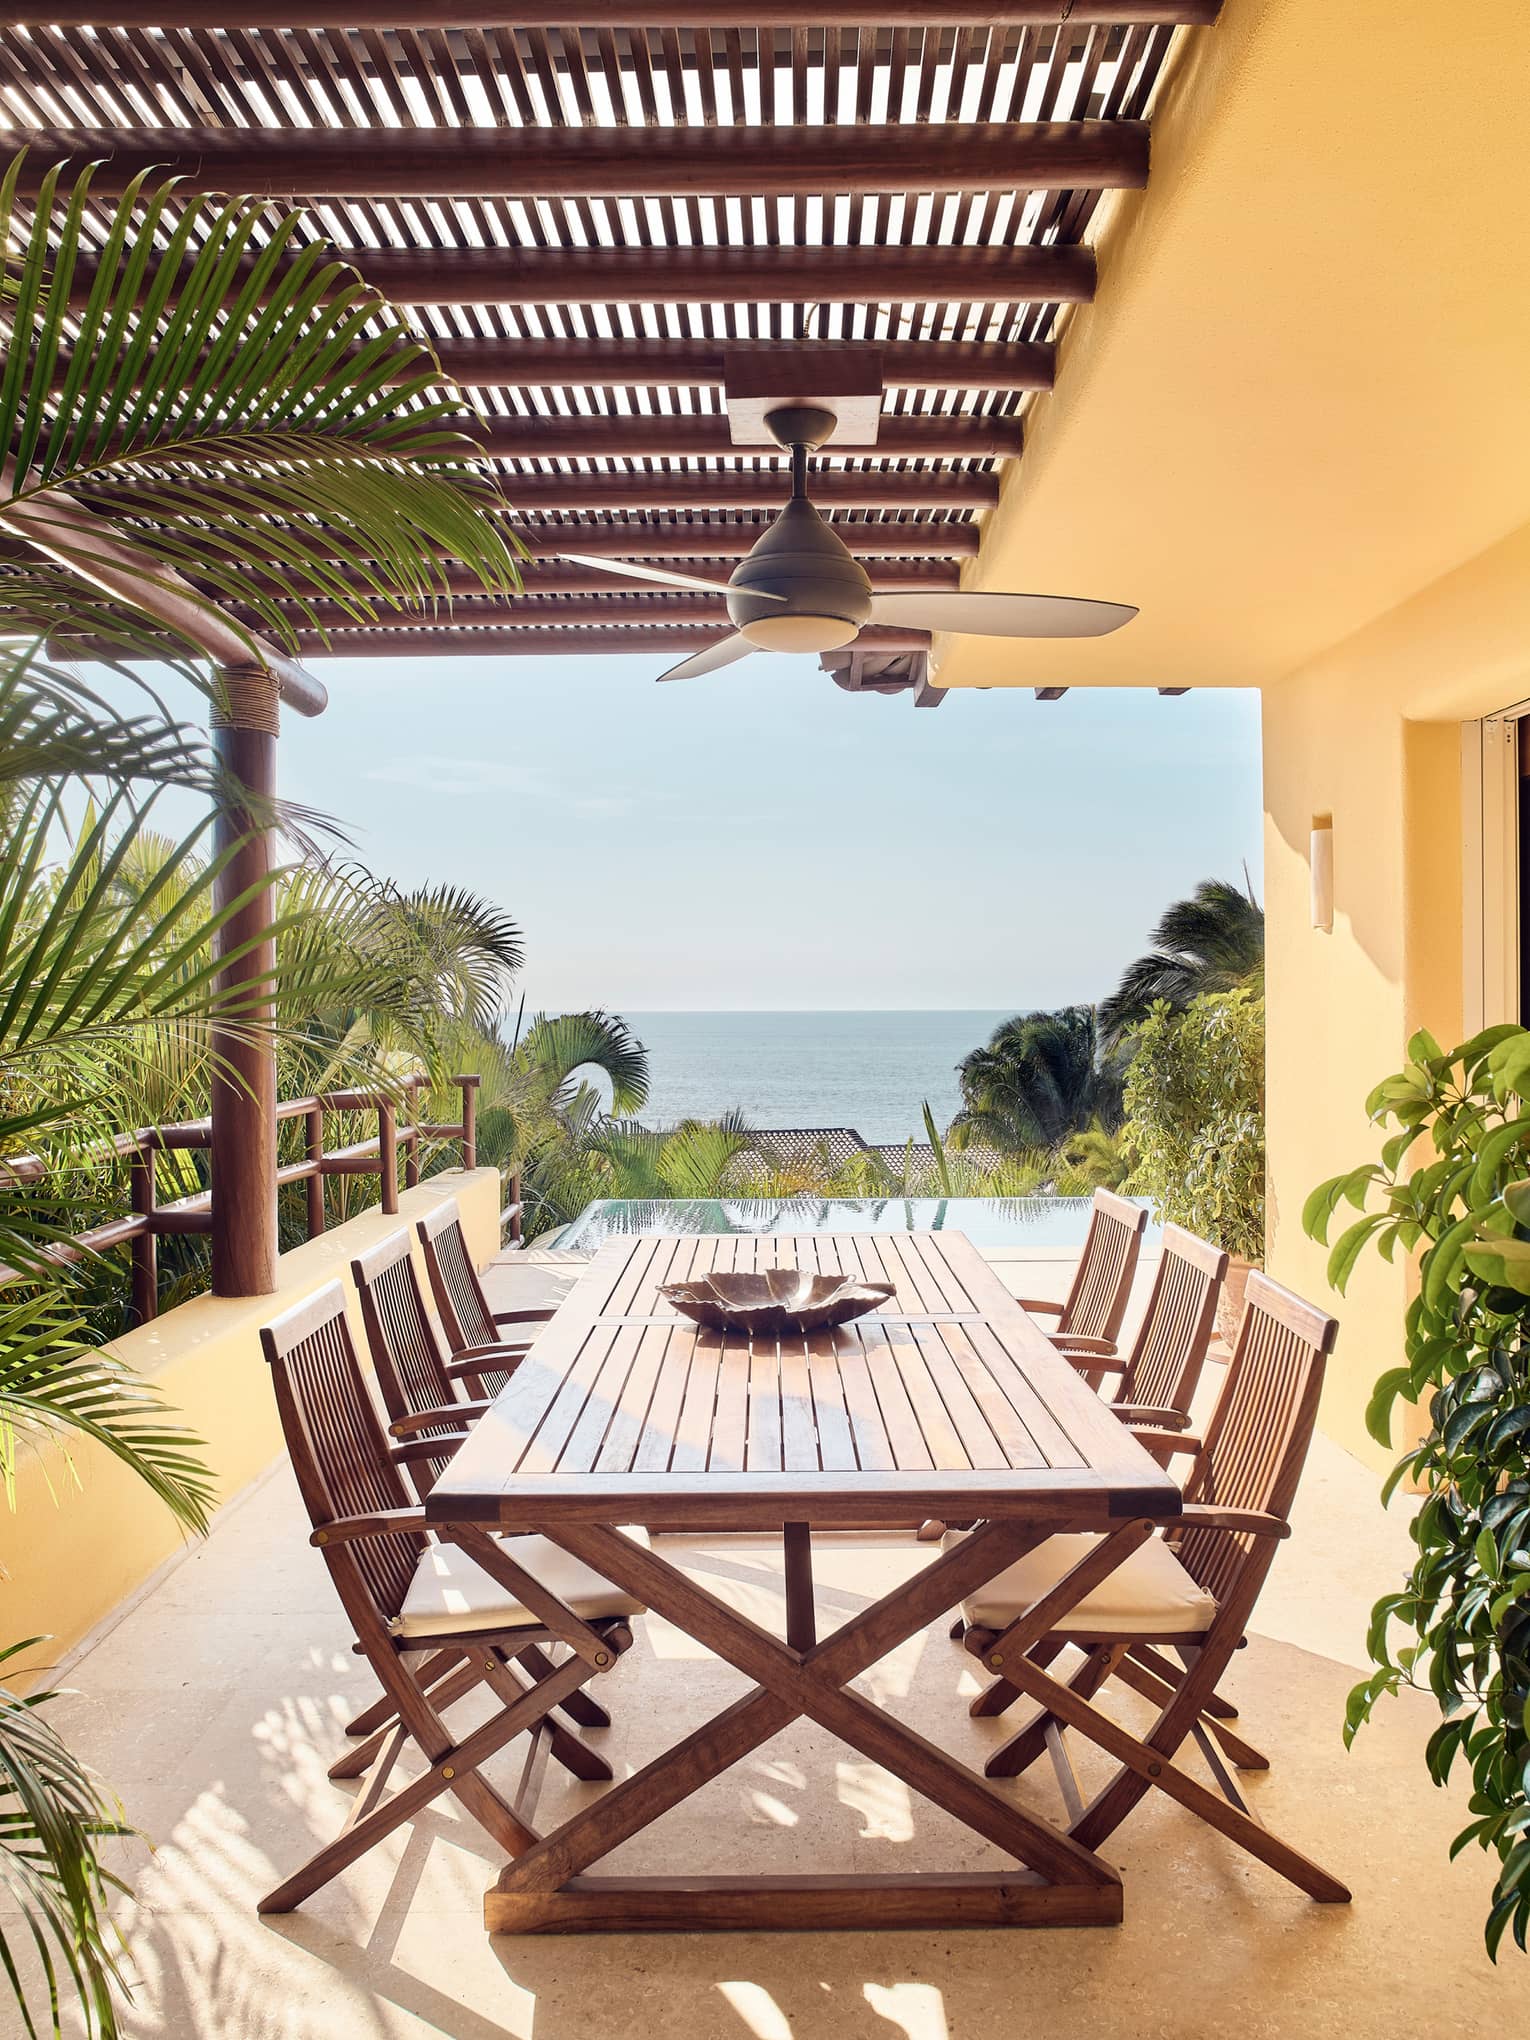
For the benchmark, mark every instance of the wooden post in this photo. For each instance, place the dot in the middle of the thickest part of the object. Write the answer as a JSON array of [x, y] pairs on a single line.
[[313, 1148], [387, 1154], [244, 729], [141, 1198], [469, 1089]]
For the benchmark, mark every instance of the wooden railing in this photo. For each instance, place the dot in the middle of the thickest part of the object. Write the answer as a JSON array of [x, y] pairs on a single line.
[[147, 1221]]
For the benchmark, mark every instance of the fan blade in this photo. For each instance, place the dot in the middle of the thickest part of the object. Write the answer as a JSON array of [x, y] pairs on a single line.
[[723, 653], [975, 613], [669, 577]]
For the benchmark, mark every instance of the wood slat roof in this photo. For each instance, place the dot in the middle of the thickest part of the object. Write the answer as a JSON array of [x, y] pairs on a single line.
[[584, 212]]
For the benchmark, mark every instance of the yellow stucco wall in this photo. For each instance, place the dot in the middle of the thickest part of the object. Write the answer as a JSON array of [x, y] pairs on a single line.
[[1370, 733], [1302, 391], [79, 1541]]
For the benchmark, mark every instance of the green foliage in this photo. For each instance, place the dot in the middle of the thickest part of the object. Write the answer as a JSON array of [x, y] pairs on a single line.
[[1195, 1114], [1039, 1078], [1212, 942], [53, 1816], [1450, 1182], [239, 394]]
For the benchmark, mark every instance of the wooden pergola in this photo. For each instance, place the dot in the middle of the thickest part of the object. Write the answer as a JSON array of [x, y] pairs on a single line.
[[592, 212], [589, 210]]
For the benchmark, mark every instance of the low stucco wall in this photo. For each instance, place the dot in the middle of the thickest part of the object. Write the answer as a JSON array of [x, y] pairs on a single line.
[[85, 1533]]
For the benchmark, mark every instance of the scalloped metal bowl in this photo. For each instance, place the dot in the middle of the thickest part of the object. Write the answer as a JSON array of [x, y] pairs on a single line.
[[775, 1300]]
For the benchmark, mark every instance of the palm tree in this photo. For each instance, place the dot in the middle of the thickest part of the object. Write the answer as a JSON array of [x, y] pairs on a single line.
[[1212, 942], [1040, 1077]]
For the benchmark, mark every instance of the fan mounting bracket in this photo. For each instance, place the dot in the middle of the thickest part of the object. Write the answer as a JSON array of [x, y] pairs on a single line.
[[843, 381]]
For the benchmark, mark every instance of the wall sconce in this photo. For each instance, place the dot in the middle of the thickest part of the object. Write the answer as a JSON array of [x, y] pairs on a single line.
[[1321, 860]]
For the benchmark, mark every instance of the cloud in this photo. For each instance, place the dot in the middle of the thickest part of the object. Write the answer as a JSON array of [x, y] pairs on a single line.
[[601, 806]]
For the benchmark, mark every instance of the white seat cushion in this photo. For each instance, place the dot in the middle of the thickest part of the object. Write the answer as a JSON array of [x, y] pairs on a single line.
[[1148, 1594], [451, 1594]]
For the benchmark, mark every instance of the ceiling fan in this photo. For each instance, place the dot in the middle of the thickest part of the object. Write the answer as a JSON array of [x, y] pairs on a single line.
[[802, 590]]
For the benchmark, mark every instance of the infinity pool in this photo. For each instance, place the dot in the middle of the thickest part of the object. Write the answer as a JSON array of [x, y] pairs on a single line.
[[1038, 1222]]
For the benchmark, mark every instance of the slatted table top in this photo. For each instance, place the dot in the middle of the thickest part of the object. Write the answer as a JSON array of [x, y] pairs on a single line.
[[949, 1402]]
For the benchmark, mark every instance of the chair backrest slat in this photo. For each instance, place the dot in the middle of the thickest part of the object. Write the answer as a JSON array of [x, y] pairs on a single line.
[[405, 1348], [337, 1446], [1256, 1442], [1172, 1341], [1103, 1279], [464, 1310]]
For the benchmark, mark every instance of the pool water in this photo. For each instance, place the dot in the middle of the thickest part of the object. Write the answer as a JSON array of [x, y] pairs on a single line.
[[989, 1222]]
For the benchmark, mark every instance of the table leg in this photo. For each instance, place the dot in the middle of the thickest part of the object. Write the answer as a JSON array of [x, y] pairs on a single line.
[[1061, 1883], [801, 1617]]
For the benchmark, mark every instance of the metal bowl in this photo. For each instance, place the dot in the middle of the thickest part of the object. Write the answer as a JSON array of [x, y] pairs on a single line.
[[775, 1300]]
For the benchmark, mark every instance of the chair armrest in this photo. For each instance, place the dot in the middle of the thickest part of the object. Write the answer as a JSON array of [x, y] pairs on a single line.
[[382, 1523], [1164, 1445], [1242, 1522], [540, 1316], [442, 1446], [455, 1414], [1035, 1303], [485, 1360], [1158, 1415], [1080, 1342]]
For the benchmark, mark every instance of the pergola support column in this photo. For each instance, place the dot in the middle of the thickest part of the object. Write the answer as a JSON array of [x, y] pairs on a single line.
[[244, 729]]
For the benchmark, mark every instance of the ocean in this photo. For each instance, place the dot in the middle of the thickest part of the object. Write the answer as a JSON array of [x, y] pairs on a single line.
[[872, 1071]]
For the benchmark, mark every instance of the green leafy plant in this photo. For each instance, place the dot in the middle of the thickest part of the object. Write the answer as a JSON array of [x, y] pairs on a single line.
[[1195, 1117], [53, 1816], [1450, 1182]]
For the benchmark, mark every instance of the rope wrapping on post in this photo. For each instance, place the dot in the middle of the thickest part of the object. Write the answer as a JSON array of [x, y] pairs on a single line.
[[248, 699]]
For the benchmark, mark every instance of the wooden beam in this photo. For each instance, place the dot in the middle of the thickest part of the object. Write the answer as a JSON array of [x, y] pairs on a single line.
[[606, 162], [662, 437], [550, 576], [659, 539], [657, 364], [619, 604], [1056, 273], [731, 489], [701, 14], [444, 642]]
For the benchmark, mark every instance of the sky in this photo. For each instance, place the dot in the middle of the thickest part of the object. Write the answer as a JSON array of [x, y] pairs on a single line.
[[761, 840]]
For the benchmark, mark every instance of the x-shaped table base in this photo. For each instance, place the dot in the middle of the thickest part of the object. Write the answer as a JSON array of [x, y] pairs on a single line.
[[1059, 1883]]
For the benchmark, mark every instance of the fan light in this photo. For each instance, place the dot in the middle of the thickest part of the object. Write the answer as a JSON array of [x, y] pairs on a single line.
[[800, 633]]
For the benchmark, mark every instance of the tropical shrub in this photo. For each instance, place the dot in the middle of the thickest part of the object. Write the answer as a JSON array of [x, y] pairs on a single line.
[[1195, 1117], [1452, 1181]]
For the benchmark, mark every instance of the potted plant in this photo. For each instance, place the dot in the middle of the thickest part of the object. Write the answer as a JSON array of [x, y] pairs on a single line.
[[1195, 1122], [1450, 1181]]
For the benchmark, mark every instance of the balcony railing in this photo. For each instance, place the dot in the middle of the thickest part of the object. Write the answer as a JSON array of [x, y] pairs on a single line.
[[147, 1221]]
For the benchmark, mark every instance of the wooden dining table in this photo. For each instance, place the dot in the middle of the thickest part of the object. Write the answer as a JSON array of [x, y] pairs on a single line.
[[947, 1403]]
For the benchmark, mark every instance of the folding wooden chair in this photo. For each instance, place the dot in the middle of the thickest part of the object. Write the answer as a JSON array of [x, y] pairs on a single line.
[[1160, 1375], [421, 1383], [433, 1619], [1102, 1281], [466, 1316], [1191, 1591]]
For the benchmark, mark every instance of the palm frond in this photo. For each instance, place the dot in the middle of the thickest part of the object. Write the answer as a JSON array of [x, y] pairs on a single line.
[[270, 429], [53, 1817], [55, 1390], [1211, 942]]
